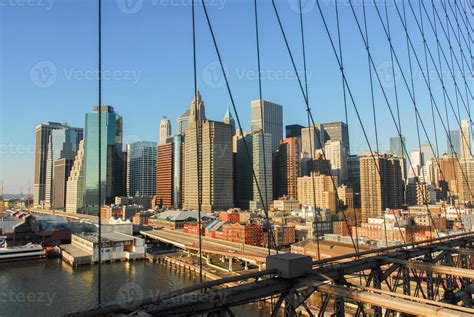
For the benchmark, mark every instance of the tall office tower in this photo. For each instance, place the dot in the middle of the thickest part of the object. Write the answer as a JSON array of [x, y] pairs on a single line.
[[164, 174], [353, 171], [272, 121], [43, 138], [288, 167], [111, 182], [465, 179], [312, 139], [466, 139], [262, 166], [165, 130], [187, 116], [322, 195], [178, 171], [293, 131], [337, 131], [445, 174], [75, 182], [427, 153], [243, 172], [416, 158], [453, 142], [63, 143], [381, 184], [62, 170], [141, 168], [215, 160], [2, 203], [336, 154], [396, 146]]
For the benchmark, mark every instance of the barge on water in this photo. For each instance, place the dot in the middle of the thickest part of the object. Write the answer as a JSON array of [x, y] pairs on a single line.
[[21, 253]]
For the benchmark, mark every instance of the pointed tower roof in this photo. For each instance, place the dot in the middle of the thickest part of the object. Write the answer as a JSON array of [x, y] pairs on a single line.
[[228, 115]]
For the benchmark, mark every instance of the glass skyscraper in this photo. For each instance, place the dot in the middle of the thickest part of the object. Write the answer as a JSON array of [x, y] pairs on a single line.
[[111, 182], [455, 137], [141, 168]]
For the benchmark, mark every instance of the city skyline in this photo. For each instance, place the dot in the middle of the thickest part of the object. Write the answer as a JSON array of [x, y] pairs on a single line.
[[144, 68]]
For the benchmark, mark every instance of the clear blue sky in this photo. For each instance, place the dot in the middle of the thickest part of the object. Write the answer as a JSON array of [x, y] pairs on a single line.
[[49, 59]]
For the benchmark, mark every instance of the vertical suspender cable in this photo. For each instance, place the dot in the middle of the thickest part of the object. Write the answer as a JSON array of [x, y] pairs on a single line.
[[197, 118], [264, 203], [99, 273]]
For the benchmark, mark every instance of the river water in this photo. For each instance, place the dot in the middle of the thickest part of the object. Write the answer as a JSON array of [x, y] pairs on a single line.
[[53, 288]]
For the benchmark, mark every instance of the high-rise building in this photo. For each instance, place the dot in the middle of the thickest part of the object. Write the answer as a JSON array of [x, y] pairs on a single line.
[[62, 170], [272, 121], [288, 167], [465, 179], [396, 146], [454, 143], [416, 158], [141, 168], [75, 182], [243, 172], [178, 171], [336, 154], [337, 131], [427, 153], [111, 182], [312, 139], [466, 139], [212, 160], [164, 175], [183, 120], [381, 184], [62, 144], [165, 130], [322, 195], [262, 166], [293, 131]]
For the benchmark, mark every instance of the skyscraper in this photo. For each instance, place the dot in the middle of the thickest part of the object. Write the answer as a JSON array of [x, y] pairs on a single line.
[[272, 121], [178, 171], [65, 145], [243, 172], [293, 131], [312, 139], [262, 166], [465, 139], [336, 154], [187, 116], [465, 179], [228, 119], [62, 170], [288, 167], [141, 168], [381, 184], [322, 195], [454, 142], [337, 131], [396, 146], [75, 182], [165, 130], [213, 160], [164, 174], [111, 182]]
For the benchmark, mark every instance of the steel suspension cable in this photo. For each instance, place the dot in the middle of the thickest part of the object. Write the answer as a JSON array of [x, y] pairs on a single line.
[[197, 119], [99, 171], [303, 47], [440, 78], [406, 84], [308, 108], [229, 91], [264, 204]]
